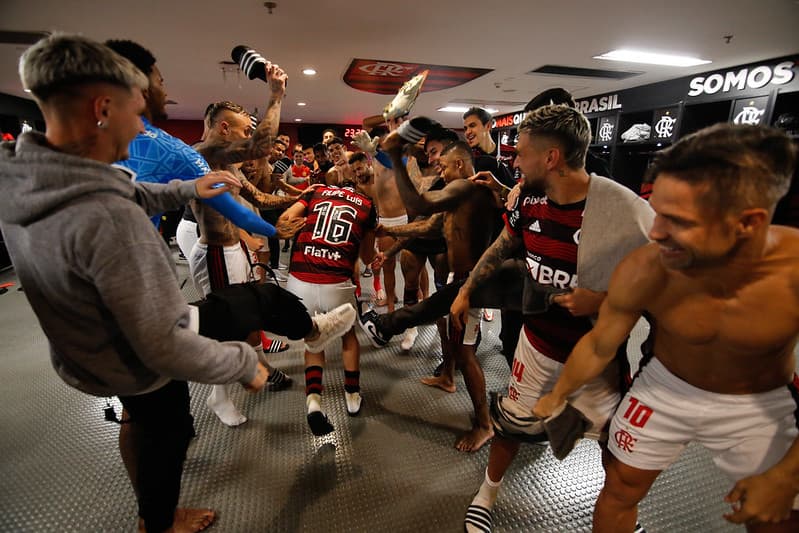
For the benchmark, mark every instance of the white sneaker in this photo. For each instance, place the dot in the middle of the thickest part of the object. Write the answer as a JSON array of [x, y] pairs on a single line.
[[354, 401], [409, 338], [331, 325]]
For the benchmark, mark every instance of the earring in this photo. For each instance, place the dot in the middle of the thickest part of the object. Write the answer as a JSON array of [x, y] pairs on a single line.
[[101, 124]]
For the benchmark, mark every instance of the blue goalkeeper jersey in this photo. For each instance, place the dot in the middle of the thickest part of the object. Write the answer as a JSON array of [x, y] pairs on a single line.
[[158, 157]]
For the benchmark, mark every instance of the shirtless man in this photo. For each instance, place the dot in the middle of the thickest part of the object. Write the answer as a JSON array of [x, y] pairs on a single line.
[[341, 171], [419, 250], [323, 164], [461, 205], [722, 285], [392, 213], [217, 259]]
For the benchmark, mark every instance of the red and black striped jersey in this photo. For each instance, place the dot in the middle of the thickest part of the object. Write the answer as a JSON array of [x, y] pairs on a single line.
[[551, 235], [326, 248]]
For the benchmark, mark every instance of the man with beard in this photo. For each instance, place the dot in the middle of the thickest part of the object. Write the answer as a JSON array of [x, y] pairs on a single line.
[[573, 228], [722, 285]]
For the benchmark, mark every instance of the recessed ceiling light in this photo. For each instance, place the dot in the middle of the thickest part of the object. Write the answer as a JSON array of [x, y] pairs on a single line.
[[297, 120], [26, 90], [462, 109], [301, 104], [650, 58], [309, 72]]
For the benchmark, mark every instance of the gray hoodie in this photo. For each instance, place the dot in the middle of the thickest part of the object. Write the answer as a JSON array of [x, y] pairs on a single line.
[[99, 277]]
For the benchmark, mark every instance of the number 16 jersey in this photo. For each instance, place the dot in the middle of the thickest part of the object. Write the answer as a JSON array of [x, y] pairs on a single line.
[[326, 248]]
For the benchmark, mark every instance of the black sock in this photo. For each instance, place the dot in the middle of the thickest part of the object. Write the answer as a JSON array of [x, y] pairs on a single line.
[[313, 380], [352, 381], [410, 297]]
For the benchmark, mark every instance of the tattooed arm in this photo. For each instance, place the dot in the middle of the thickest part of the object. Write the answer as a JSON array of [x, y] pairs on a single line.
[[429, 202], [502, 248], [263, 200], [428, 227], [257, 146], [281, 184]]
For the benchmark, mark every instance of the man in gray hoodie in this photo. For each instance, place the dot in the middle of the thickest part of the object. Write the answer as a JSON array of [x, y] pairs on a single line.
[[116, 321]]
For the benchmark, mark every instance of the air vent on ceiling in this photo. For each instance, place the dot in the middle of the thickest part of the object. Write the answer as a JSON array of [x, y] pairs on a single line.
[[22, 37], [562, 70], [489, 103]]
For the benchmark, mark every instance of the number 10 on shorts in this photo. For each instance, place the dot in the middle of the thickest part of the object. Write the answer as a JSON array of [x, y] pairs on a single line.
[[637, 413]]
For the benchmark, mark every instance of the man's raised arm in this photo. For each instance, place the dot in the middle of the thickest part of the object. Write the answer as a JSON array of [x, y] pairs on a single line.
[[264, 135], [631, 286]]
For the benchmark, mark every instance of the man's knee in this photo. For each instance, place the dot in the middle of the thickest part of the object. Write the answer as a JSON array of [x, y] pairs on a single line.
[[625, 486]]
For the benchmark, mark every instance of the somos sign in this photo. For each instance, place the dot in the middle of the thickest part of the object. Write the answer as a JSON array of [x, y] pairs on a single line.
[[745, 78]]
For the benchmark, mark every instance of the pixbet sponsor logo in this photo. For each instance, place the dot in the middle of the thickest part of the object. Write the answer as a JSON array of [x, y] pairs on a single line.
[[745, 78]]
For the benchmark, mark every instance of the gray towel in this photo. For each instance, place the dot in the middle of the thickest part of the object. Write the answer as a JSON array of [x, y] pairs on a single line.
[[564, 429]]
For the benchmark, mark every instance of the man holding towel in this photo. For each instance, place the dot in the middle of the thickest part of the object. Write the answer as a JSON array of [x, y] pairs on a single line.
[[573, 235]]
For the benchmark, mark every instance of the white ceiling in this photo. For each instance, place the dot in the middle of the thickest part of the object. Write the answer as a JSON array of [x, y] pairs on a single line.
[[190, 37]]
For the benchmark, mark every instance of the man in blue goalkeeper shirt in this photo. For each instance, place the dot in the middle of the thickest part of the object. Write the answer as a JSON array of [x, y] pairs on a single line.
[[158, 157]]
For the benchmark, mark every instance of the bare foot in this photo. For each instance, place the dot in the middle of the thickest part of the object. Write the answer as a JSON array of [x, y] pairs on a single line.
[[475, 439], [442, 382], [192, 520], [188, 521]]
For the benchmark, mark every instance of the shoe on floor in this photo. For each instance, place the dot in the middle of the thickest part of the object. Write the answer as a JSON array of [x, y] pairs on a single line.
[[319, 423], [331, 325], [278, 380], [478, 519], [271, 345], [354, 402], [409, 338]]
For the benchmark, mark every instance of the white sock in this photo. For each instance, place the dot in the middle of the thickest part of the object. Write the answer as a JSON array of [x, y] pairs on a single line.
[[259, 351], [487, 494], [219, 402], [313, 402]]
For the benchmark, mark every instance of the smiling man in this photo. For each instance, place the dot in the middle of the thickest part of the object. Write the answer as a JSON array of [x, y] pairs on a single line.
[[573, 228], [722, 285]]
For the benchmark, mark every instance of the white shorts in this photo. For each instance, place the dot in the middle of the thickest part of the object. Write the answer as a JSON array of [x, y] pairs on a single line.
[[533, 374], [474, 320], [232, 267], [472, 330], [746, 433], [321, 298], [186, 236], [393, 221]]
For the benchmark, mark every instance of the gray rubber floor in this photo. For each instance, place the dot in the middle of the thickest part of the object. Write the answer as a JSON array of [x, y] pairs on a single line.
[[393, 468]]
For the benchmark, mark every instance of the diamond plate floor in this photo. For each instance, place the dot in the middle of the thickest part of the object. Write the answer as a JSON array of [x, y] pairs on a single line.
[[393, 468]]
